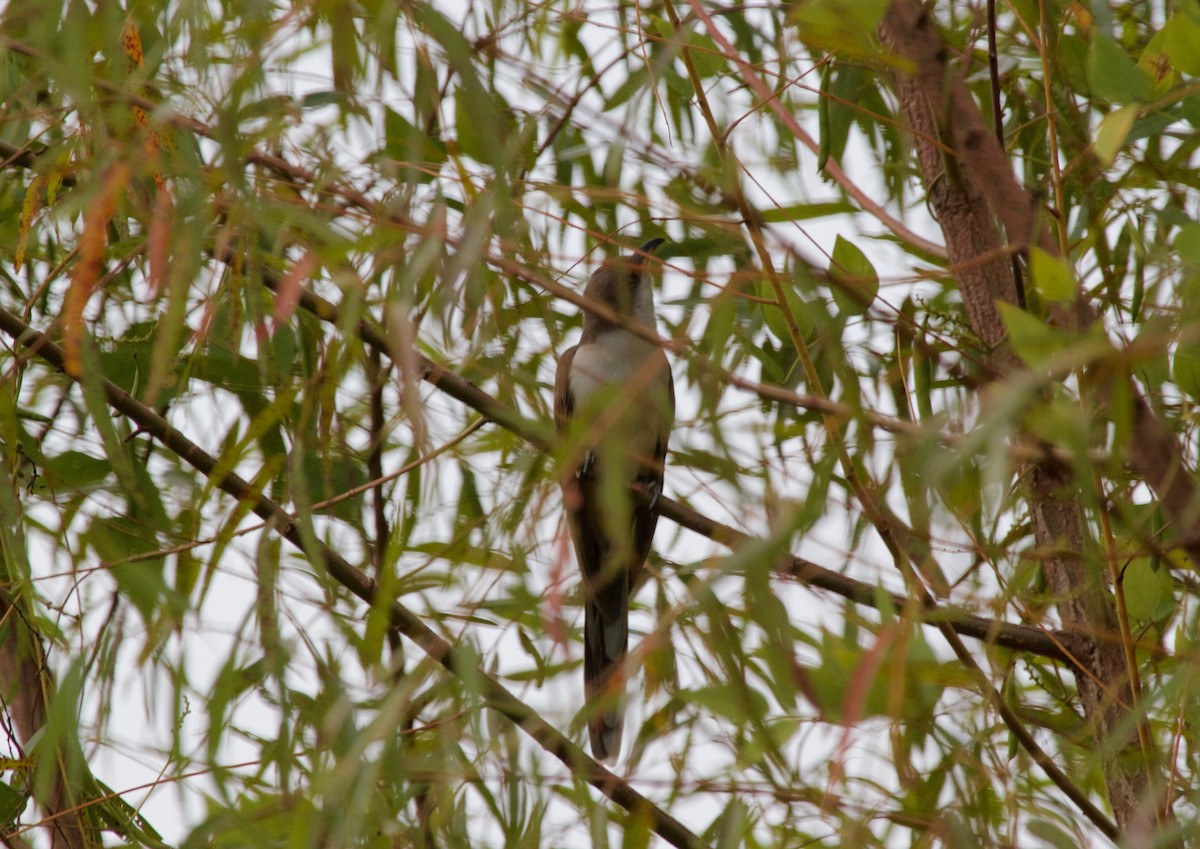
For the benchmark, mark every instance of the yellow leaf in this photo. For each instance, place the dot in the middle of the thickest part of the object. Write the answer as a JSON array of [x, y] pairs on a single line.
[[29, 209], [131, 42], [1113, 131]]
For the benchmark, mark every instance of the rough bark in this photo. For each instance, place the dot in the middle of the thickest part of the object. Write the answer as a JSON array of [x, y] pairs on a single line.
[[977, 201], [968, 227], [23, 692], [1087, 609]]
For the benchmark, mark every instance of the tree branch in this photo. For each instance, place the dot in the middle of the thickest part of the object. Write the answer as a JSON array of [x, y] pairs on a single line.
[[1051, 645], [458, 662]]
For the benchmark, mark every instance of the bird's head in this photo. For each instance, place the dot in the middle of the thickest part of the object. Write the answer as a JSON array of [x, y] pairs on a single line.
[[624, 284]]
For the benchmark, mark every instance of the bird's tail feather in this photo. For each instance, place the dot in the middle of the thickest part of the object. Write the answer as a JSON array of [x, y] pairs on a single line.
[[606, 638]]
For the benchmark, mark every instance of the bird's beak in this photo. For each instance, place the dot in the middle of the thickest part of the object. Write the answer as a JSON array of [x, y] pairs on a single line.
[[649, 247]]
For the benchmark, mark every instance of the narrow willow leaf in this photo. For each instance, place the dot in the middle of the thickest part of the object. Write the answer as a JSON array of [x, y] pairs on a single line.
[[1113, 74], [1051, 276], [857, 282], [29, 209], [1113, 131]]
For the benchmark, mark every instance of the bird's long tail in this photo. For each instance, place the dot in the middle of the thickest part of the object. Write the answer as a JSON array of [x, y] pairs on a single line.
[[606, 637]]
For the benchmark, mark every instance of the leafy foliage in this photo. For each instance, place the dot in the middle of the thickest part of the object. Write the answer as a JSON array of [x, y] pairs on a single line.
[[212, 208]]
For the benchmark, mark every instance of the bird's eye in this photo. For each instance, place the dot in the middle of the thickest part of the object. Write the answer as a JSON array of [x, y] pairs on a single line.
[[635, 277]]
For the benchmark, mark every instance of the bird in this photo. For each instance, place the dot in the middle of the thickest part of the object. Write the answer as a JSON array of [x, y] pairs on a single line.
[[616, 391]]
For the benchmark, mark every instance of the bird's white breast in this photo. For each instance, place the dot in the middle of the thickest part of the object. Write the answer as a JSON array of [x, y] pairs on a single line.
[[615, 358], [637, 380]]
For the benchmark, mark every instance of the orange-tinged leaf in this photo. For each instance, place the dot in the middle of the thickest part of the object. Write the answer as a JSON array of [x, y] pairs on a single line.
[[150, 145], [158, 247], [29, 209], [863, 678], [131, 42], [84, 276], [1082, 16], [555, 596], [858, 692], [287, 296]]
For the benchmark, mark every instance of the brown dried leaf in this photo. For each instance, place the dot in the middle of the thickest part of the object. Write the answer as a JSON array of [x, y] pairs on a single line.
[[92, 244], [158, 246], [287, 296]]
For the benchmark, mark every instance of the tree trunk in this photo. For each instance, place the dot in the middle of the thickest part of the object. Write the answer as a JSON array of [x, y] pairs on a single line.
[[977, 201]]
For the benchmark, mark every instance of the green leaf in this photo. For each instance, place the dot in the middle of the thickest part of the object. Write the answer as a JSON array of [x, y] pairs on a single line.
[[1186, 244], [1113, 131], [855, 281], [116, 539], [343, 45], [74, 470], [530, 648], [773, 314], [778, 365], [706, 56], [136, 484], [732, 825], [1181, 39], [1071, 55], [482, 123], [736, 702], [769, 738], [633, 83], [470, 507], [12, 803], [843, 26], [806, 211], [1051, 276], [1113, 75], [1146, 588], [1031, 338], [319, 99], [482, 128], [826, 136], [113, 813], [1185, 369], [405, 143], [1053, 834]]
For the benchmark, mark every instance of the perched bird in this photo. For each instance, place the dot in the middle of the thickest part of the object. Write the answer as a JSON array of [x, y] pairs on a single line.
[[617, 386]]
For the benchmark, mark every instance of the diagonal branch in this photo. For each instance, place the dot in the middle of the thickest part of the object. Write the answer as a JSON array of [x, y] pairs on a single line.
[[27, 157], [458, 662], [1052, 645], [407, 623]]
